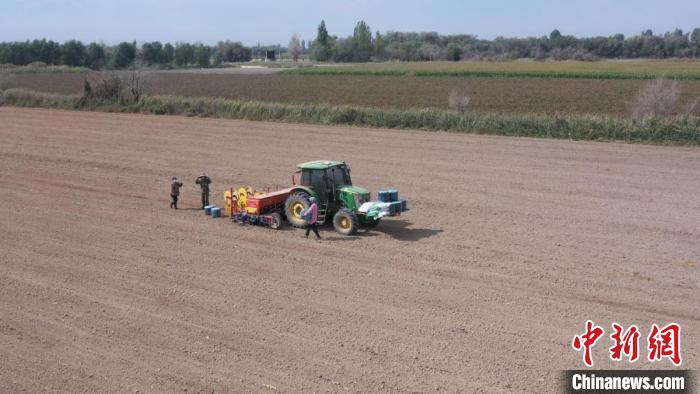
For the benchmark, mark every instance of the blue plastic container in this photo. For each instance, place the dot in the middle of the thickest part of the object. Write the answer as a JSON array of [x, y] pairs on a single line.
[[383, 196], [215, 212], [395, 206], [393, 195], [207, 209], [403, 205]]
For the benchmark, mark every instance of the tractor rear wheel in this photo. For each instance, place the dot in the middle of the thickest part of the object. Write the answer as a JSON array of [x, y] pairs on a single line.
[[295, 204], [345, 222]]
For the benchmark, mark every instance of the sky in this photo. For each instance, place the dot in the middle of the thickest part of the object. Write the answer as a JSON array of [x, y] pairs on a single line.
[[272, 22]]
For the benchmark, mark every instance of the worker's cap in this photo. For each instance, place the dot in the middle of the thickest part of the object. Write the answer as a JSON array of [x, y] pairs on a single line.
[[312, 199], [174, 178]]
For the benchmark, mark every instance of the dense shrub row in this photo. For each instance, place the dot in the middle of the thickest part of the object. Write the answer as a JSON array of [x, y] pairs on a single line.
[[677, 130]]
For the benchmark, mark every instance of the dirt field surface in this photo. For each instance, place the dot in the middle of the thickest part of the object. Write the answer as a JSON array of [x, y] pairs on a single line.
[[509, 247], [520, 95]]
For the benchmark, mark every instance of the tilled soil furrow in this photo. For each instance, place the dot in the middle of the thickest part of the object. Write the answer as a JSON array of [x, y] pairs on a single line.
[[510, 245]]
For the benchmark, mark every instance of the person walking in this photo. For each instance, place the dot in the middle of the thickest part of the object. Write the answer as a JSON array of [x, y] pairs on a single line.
[[312, 214], [174, 192], [203, 181]]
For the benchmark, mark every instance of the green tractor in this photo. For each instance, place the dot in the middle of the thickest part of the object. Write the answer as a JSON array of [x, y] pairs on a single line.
[[329, 182]]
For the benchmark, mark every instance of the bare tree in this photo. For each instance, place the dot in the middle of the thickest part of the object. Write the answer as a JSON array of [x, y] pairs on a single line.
[[128, 86], [102, 86], [294, 47], [657, 99], [136, 83], [458, 100]]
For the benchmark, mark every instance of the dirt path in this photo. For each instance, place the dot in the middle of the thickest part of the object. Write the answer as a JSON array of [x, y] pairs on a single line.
[[510, 245]]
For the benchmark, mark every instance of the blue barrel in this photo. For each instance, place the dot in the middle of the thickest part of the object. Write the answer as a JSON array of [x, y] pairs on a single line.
[[403, 205], [207, 209], [393, 194], [383, 196], [395, 206], [215, 212]]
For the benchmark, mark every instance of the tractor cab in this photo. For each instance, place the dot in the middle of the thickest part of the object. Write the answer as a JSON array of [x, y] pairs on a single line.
[[322, 177]]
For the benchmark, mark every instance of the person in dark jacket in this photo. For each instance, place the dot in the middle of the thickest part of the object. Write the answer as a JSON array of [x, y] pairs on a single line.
[[203, 181], [174, 192]]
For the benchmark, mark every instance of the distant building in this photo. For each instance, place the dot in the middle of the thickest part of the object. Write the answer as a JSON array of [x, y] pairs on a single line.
[[270, 56]]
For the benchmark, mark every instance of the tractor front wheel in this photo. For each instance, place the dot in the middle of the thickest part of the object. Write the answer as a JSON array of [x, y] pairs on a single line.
[[345, 222], [295, 204]]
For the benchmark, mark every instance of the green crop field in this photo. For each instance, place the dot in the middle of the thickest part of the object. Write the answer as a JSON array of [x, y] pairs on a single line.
[[612, 69]]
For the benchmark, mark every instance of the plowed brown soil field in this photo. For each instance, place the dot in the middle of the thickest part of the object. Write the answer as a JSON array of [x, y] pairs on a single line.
[[519, 95], [510, 246]]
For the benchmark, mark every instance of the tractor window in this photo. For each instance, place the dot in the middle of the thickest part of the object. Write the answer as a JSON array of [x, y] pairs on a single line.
[[339, 176], [316, 177], [305, 179]]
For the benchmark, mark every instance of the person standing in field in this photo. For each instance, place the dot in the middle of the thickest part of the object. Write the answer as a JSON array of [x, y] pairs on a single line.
[[174, 192], [312, 214], [203, 181]]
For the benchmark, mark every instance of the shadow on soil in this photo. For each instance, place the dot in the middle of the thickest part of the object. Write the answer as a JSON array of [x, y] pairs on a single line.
[[359, 234], [397, 229]]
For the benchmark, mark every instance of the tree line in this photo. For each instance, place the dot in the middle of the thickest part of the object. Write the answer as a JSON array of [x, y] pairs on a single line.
[[124, 55], [362, 46]]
